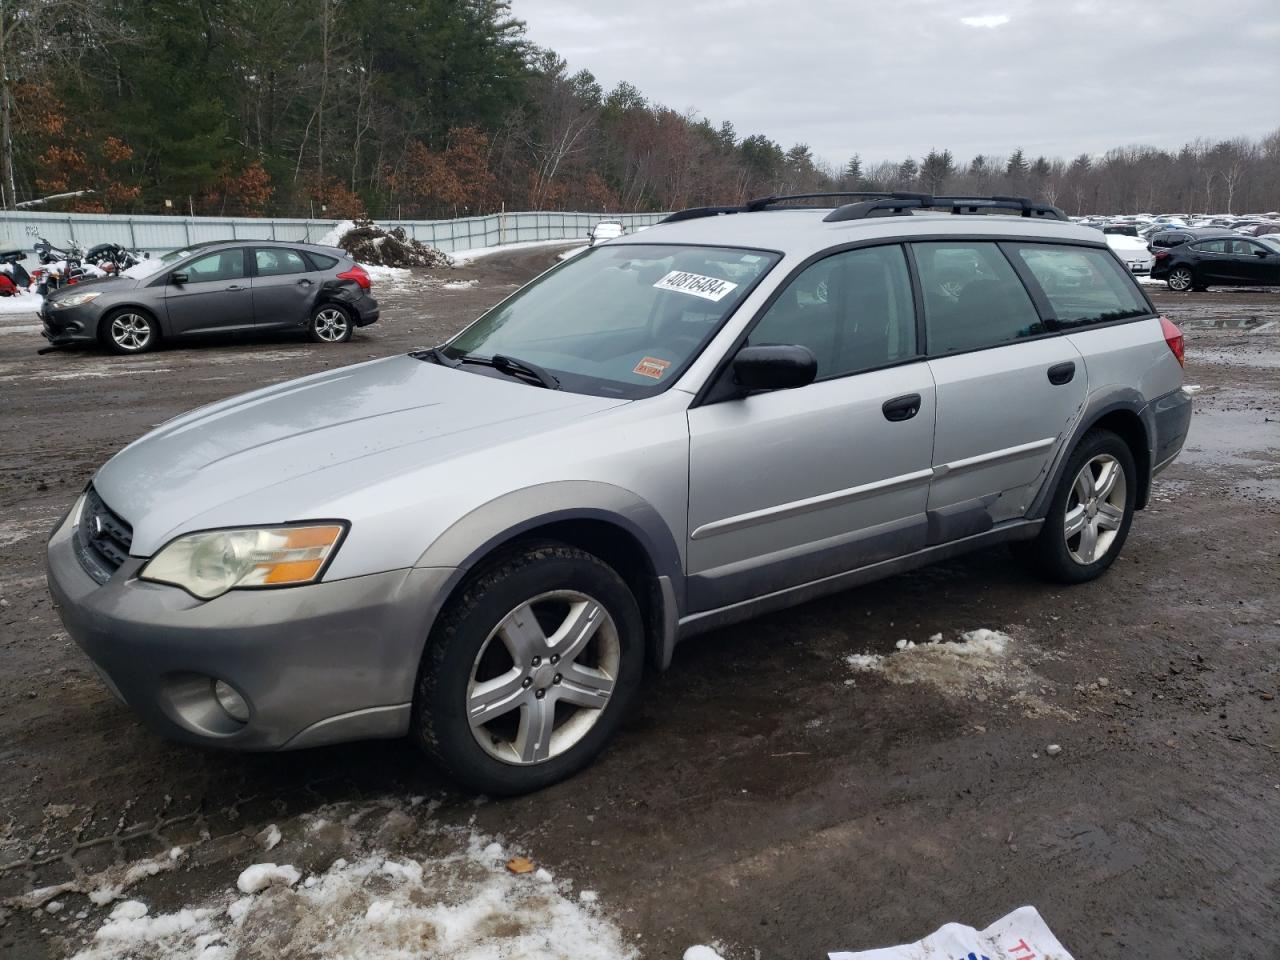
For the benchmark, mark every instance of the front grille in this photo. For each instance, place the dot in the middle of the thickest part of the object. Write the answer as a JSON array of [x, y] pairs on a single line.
[[102, 538]]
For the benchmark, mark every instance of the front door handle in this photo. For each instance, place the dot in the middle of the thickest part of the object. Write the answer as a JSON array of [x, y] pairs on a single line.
[[1061, 373], [235, 286], [304, 282], [901, 408]]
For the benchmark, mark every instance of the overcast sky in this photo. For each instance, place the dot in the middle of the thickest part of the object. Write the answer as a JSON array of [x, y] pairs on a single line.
[[891, 78]]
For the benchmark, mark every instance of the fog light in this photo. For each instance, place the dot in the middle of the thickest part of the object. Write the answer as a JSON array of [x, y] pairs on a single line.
[[230, 699]]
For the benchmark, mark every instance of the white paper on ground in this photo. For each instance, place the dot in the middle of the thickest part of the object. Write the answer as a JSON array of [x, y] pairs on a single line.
[[1022, 935]]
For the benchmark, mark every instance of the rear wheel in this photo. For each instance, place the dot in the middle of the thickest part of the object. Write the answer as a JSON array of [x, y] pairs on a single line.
[[1181, 279], [1092, 509], [330, 323], [130, 331], [529, 671]]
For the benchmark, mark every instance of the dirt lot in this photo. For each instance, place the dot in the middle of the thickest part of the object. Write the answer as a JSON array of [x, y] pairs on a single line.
[[767, 796]]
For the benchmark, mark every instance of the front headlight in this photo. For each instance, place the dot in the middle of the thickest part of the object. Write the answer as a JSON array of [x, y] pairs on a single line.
[[75, 300], [211, 563]]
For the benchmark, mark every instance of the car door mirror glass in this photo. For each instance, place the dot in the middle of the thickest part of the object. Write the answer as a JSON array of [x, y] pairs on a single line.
[[178, 277], [774, 367]]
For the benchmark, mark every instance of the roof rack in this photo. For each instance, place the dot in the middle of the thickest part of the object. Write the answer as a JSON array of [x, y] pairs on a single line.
[[901, 204]]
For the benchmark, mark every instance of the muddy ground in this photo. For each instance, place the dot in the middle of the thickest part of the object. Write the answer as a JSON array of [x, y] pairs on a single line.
[[765, 796]]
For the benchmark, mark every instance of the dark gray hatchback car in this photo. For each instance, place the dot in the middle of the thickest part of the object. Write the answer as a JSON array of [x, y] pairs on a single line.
[[226, 286]]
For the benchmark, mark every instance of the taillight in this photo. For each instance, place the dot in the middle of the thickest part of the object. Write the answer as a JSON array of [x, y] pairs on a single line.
[[359, 275], [1173, 337]]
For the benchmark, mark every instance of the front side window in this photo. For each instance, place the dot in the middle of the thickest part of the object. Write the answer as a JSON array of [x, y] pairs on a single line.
[[972, 297], [1243, 248], [1210, 246], [223, 265], [1083, 285], [853, 311], [274, 262], [618, 320]]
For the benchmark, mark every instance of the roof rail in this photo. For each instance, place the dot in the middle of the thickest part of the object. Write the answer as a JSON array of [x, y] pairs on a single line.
[[760, 203], [901, 204]]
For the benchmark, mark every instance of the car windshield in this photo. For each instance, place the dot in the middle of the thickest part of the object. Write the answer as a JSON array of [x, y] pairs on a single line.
[[618, 320], [145, 268], [1270, 240]]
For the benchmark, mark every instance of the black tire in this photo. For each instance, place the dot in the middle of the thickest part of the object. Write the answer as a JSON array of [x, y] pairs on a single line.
[[1181, 279], [454, 650], [1052, 554], [330, 323], [129, 331]]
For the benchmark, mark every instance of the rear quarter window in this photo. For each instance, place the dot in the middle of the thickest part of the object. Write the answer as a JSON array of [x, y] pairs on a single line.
[[1084, 285], [321, 262]]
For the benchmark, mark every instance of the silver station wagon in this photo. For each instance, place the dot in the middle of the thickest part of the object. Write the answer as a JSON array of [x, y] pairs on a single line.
[[483, 545]]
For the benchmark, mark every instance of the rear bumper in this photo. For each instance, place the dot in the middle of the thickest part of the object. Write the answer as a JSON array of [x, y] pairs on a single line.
[[367, 310], [1171, 415], [317, 664]]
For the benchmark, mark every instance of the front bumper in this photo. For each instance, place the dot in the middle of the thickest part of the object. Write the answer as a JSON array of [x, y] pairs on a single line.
[[70, 324], [317, 664]]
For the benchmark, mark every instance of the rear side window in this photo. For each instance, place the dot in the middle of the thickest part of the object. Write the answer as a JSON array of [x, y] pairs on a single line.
[[972, 297], [1210, 246], [321, 261], [275, 261], [1083, 285], [853, 310]]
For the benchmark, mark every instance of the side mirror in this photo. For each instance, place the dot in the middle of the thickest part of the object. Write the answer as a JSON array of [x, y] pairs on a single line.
[[178, 277], [1261, 253], [774, 367]]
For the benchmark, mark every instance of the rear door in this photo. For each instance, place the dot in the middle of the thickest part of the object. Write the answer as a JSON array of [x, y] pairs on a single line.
[[1211, 262], [217, 294], [284, 287], [791, 486], [1007, 392]]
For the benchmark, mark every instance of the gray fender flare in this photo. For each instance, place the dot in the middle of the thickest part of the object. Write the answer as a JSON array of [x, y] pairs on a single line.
[[474, 536], [1097, 407]]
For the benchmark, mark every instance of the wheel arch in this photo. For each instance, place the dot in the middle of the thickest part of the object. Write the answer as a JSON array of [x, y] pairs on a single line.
[[1129, 417], [610, 522]]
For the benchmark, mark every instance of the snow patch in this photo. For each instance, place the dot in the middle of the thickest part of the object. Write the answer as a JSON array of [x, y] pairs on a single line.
[[980, 664], [701, 952], [459, 903], [340, 230]]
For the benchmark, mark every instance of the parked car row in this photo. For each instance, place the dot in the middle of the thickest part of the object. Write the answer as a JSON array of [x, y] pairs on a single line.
[[1190, 253]]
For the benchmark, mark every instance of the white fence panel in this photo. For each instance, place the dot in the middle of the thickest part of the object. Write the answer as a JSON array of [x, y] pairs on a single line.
[[160, 234]]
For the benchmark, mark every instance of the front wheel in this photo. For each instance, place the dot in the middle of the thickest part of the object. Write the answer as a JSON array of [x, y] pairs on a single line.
[[330, 323], [529, 671], [1091, 512], [130, 331], [1181, 279]]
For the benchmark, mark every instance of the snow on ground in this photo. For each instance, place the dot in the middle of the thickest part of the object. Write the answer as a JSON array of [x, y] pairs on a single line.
[[700, 952], [461, 257], [375, 902], [21, 303], [980, 665]]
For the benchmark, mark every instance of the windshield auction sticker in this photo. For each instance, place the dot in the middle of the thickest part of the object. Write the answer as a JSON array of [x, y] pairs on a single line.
[[708, 288], [652, 367]]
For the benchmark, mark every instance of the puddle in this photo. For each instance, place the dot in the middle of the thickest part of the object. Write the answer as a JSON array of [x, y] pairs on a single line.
[[1266, 359], [1231, 437]]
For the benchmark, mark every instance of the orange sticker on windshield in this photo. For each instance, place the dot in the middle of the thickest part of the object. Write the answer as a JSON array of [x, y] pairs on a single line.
[[652, 367]]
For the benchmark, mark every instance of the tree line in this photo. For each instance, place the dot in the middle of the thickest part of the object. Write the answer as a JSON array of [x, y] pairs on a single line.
[[442, 108]]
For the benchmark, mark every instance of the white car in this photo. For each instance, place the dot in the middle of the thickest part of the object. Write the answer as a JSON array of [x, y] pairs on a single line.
[[605, 230], [1132, 250]]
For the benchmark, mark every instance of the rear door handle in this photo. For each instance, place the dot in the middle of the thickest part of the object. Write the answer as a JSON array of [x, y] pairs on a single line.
[[304, 282], [235, 286], [1061, 373], [901, 408]]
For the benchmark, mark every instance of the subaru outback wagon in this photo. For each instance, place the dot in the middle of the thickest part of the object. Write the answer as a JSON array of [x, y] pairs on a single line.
[[483, 545]]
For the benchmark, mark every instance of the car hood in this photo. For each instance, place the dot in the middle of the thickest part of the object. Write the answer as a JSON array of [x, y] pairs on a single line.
[[307, 435], [101, 284]]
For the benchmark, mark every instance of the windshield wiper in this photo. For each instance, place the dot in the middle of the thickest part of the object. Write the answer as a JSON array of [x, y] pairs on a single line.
[[529, 372], [440, 357]]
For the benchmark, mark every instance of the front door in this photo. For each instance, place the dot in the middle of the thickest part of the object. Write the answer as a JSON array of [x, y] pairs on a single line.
[[1006, 395], [216, 295], [284, 287], [792, 486]]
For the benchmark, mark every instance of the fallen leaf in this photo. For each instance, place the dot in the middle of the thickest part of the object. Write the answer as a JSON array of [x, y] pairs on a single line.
[[520, 865]]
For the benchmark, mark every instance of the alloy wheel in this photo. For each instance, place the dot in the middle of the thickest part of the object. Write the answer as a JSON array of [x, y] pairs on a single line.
[[331, 325], [1095, 509], [131, 332], [1180, 279], [543, 677]]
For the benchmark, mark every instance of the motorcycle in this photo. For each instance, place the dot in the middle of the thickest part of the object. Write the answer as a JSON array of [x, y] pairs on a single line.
[[13, 275], [111, 258]]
